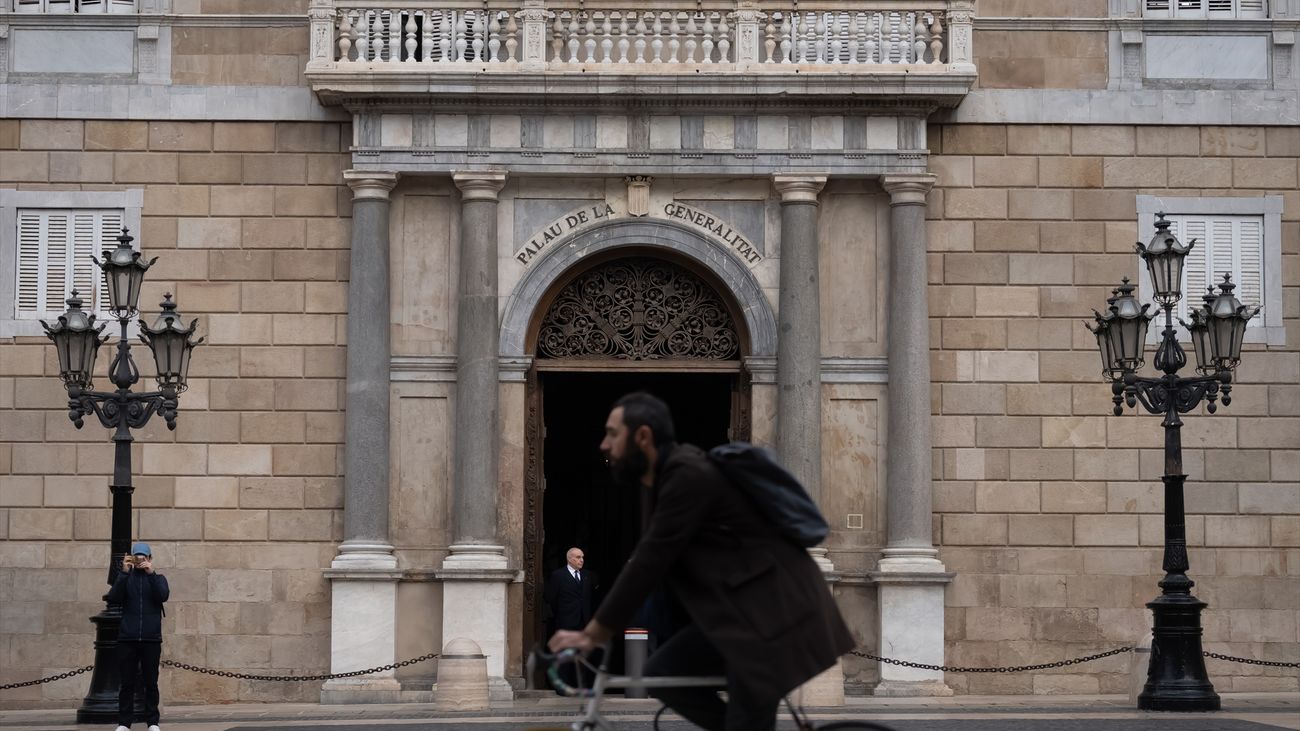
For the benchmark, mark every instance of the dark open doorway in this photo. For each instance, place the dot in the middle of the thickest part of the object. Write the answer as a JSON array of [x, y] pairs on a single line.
[[581, 504]]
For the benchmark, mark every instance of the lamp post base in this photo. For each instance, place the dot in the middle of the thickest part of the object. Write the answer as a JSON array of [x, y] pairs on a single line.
[[1176, 677], [100, 704]]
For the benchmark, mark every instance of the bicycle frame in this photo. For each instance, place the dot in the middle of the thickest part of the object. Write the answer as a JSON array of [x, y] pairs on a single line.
[[591, 716]]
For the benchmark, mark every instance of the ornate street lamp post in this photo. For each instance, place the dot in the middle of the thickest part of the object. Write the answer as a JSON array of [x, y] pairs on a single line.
[[1176, 676], [77, 340]]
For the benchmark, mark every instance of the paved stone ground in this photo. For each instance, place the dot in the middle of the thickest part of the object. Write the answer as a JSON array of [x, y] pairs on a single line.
[[1243, 712]]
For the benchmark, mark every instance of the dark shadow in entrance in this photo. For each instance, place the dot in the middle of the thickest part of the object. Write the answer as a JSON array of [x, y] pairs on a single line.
[[581, 505]]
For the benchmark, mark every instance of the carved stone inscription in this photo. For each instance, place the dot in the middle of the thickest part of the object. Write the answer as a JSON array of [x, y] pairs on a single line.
[[719, 229], [562, 226]]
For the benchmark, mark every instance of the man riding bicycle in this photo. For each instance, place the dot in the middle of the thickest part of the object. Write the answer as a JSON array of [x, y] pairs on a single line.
[[762, 613]]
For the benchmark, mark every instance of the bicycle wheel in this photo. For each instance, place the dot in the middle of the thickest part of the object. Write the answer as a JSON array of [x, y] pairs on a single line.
[[853, 726]]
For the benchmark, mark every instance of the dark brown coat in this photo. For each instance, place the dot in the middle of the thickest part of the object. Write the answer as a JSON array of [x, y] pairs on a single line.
[[758, 597]]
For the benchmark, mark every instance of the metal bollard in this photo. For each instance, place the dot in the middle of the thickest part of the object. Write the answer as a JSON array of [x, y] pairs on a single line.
[[636, 643]]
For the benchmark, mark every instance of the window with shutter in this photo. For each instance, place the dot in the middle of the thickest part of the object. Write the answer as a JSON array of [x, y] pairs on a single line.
[[71, 6], [1215, 9], [54, 250], [1224, 244]]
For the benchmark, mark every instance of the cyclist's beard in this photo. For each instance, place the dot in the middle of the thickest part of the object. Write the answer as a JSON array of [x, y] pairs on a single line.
[[631, 467]]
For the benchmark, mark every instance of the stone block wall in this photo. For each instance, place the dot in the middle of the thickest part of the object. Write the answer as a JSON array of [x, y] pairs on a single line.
[[1048, 508], [243, 502]]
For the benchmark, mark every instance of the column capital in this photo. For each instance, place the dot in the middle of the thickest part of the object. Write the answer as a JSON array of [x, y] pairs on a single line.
[[370, 184], [798, 188], [479, 186], [908, 189]]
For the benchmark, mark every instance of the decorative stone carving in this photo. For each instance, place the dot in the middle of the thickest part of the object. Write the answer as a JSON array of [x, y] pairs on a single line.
[[638, 309], [638, 195]]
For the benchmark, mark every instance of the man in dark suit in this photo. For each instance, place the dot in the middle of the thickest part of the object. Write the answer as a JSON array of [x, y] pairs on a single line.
[[568, 593], [763, 614]]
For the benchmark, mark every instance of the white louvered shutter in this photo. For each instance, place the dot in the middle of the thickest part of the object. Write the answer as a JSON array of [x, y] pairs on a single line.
[[1157, 9], [54, 250], [1231, 244], [30, 6], [121, 7], [1249, 271], [1213, 9]]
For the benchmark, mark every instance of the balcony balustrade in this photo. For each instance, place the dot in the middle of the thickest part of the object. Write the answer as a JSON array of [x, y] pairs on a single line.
[[389, 42]]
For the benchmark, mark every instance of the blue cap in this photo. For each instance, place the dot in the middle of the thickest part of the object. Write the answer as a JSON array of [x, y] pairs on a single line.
[[141, 548]]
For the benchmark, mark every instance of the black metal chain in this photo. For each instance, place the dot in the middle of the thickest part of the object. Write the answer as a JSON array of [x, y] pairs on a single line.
[[867, 655], [1011, 669], [1249, 661], [330, 676], [50, 679]]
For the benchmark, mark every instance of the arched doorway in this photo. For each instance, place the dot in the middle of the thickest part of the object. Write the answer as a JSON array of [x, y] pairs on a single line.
[[626, 319]]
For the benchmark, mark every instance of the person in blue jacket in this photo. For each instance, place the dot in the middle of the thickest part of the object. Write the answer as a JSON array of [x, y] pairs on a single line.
[[141, 591]]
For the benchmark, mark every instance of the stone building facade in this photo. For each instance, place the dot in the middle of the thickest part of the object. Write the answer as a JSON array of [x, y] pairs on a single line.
[[430, 241]]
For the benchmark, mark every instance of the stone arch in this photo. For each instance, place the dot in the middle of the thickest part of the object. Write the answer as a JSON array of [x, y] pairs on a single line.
[[645, 234]]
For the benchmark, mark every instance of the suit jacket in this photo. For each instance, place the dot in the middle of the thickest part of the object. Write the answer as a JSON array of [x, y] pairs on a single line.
[[569, 602], [758, 597]]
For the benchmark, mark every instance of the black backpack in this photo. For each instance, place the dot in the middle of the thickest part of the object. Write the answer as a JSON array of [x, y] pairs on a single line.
[[777, 493]]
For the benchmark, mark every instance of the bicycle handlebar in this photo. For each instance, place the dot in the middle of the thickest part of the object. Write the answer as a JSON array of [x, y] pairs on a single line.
[[553, 663]]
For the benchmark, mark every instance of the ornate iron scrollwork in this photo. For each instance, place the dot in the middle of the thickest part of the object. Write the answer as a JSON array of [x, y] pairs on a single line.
[[638, 309]]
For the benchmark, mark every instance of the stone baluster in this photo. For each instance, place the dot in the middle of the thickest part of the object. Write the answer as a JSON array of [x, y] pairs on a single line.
[[363, 35], [798, 351], [427, 44], [910, 575], [837, 45], [478, 46], [573, 31], [512, 38], [657, 45], [724, 39], [606, 38], [459, 37], [589, 42], [476, 573], [624, 40], [494, 37], [410, 42], [446, 36], [675, 42], [919, 39], [345, 37], [364, 573], [557, 38], [706, 47], [855, 35], [640, 38], [936, 39]]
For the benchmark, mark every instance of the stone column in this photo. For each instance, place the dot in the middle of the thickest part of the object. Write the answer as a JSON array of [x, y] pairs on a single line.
[[364, 574], [475, 573], [910, 575], [798, 345]]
